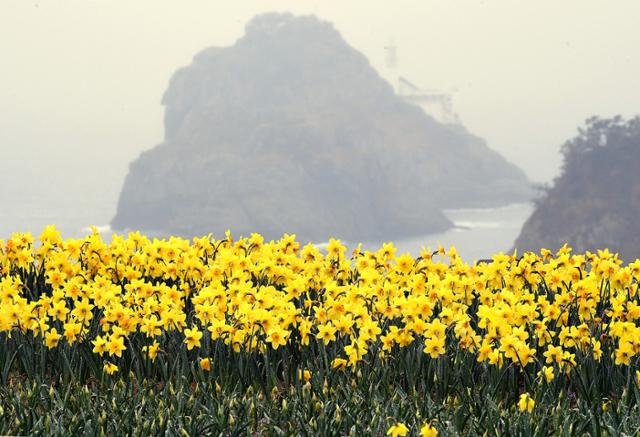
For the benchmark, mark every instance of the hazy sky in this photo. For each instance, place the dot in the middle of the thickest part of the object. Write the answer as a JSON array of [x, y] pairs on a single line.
[[81, 81]]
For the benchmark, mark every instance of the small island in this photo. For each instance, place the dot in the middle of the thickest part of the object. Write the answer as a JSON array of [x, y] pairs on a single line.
[[291, 130]]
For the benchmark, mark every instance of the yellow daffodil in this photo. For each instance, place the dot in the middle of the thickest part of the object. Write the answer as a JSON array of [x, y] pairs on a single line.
[[398, 429], [110, 368], [526, 403], [192, 338], [205, 364], [427, 430]]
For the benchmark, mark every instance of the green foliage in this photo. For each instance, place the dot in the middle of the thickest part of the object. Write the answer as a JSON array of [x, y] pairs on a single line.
[[364, 403]]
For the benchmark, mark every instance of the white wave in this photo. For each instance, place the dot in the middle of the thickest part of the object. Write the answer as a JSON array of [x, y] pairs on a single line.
[[478, 225], [509, 207]]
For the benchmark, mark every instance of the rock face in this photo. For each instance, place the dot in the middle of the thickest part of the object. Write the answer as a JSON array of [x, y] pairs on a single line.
[[595, 202], [291, 130]]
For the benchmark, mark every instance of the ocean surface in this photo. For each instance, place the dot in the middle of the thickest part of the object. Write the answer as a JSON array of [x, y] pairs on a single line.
[[478, 233]]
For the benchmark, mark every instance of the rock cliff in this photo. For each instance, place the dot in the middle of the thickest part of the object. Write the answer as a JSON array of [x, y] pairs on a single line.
[[595, 202]]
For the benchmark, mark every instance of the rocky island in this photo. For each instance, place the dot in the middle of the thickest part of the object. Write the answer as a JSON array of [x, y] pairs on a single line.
[[291, 130]]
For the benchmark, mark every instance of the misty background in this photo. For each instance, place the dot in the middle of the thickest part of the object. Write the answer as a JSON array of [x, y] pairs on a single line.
[[81, 81]]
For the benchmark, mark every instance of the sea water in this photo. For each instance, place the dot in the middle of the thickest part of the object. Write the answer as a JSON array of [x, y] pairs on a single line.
[[478, 232]]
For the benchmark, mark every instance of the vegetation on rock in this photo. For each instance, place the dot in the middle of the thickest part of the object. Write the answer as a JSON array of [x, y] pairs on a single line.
[[595, 201]]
